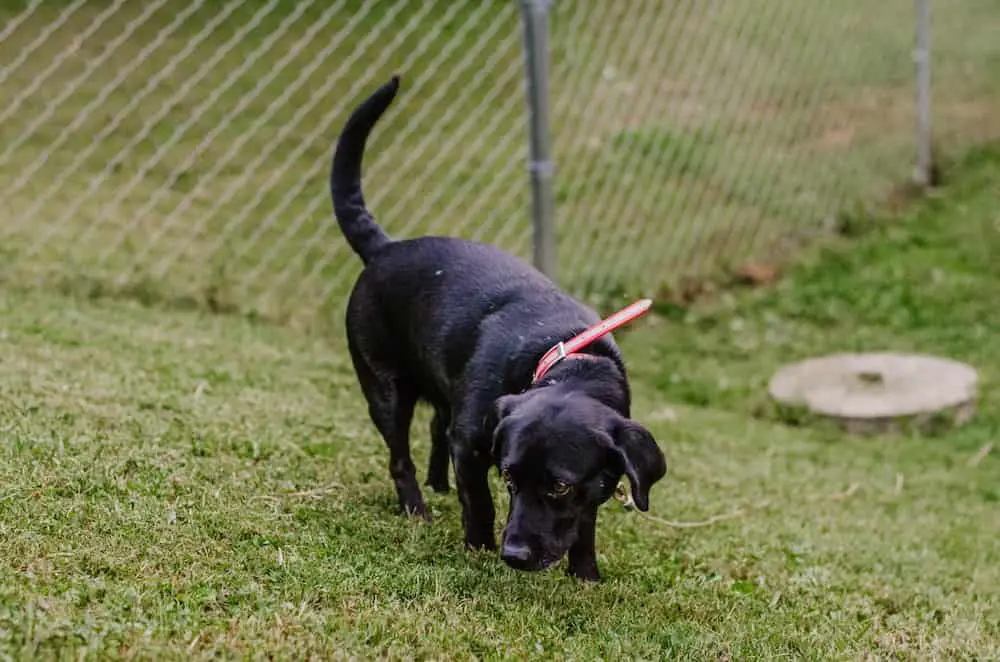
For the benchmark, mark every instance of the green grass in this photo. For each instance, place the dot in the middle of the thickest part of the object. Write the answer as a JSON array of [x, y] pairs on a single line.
[[157, 153], [180, 485]]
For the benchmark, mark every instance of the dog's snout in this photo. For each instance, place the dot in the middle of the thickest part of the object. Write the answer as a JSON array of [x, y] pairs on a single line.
[[517, 555]]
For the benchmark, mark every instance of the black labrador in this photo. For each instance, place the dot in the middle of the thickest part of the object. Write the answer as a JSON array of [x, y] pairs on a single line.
[[463, 325]]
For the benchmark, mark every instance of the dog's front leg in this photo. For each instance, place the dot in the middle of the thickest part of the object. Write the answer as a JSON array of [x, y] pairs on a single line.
[[582, 554], [472, 466]]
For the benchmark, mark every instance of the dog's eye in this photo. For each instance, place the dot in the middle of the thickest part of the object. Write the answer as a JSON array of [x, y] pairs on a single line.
[[561, 489]]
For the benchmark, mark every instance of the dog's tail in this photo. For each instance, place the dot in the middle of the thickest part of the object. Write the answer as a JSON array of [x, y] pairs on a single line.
[[363, 234]]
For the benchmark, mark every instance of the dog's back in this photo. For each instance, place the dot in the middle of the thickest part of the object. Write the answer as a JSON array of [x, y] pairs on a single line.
[[435, 297]]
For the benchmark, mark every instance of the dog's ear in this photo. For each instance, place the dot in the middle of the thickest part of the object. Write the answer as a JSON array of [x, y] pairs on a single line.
[[644, 461], [503, 405], [501, 409]]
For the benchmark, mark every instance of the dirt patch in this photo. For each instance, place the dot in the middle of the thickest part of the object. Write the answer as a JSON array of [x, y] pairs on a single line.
[[873, 112], [867, 112]]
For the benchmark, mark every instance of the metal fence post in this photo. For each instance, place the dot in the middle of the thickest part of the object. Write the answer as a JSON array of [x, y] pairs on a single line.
[[922, 60], [535, 19]]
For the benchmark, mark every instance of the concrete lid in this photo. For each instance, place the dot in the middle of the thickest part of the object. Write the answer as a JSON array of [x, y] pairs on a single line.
[[875, 386]]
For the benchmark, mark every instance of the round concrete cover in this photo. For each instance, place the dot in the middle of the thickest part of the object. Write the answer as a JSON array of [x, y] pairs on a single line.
[[877, 386]]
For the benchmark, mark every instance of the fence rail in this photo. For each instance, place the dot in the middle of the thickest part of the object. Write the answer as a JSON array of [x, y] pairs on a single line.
[[179, 148]]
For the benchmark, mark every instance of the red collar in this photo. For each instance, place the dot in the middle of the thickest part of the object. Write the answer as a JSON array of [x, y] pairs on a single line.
[[569, 347]]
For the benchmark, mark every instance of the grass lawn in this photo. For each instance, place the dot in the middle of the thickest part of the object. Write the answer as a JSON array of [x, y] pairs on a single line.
[[180, 485]]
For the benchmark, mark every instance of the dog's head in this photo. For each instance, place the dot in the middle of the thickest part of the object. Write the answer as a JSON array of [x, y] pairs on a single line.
[[561, 455]]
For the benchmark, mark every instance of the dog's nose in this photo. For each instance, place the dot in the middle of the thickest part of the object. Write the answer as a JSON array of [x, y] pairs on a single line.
[[517, 555]]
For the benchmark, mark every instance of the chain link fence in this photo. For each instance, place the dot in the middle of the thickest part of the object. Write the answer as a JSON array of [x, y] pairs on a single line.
[[179, 149]]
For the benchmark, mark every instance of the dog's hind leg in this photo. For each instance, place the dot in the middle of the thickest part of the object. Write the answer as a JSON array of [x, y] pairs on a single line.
[[440, 456], [391, 401]]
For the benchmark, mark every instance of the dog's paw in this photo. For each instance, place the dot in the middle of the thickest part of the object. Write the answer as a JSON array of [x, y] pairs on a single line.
[[418, 511], [585, 571], [440, 486], [484, 542]]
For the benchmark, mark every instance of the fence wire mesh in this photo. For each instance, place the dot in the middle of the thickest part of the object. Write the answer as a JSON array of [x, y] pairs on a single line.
[[692, 136], [180, 148]]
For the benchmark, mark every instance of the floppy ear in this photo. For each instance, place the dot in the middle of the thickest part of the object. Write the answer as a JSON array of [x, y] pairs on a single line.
[[644, 461], [505, 404], [501, 409]]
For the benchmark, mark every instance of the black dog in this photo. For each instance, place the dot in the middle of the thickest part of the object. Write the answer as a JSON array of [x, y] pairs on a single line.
[[462, 325]]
